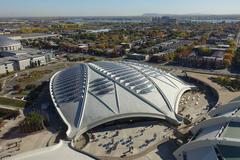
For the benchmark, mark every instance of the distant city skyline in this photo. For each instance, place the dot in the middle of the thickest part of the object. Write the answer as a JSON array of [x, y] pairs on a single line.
[[42, 8]]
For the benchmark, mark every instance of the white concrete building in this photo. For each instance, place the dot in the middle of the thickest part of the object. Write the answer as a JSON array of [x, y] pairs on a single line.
[[6, 66], [37, 60], [215, 139], [26, 58], [7, 44], [13, 57], [22, 62], [2, 69]]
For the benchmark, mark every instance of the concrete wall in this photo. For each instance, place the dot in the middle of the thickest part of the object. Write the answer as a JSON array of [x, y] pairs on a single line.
[[6, 68], [2, 69], [42, 60], [49, 57], [23, 64], [10, 67]]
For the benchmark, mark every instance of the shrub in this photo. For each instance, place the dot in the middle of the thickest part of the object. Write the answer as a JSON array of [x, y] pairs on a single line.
[[30, 87], [33, 122], [16, 87], [12, 102], [34, 118]]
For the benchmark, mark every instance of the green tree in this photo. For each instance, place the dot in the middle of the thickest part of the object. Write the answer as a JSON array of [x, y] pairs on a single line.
[[205, 50]]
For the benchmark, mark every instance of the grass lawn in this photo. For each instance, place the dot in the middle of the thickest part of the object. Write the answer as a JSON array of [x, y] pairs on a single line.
[[12, 102], [33, 76], [58, 66], [24, 93]]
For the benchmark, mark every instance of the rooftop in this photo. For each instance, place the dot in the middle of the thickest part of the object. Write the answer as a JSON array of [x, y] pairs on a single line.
[[216, 137], [149, 92], [5, 41]]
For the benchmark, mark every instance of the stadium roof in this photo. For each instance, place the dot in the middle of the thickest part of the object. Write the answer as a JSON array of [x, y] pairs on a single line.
[[230, 109], [88, 95], [5, 42], [216, 138], [60, 151]]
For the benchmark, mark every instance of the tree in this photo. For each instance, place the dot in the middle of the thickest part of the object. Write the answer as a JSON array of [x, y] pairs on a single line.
[[184, 50], [227, 62], [231, 50], [30, 87], [236, 60], [17, 87], [232, 43], [33, 122], [228, 56], [34, 118], [205, 51], [204, 39]]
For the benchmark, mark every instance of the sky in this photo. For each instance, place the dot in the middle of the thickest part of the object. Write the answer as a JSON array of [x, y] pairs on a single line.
[[32, 8]]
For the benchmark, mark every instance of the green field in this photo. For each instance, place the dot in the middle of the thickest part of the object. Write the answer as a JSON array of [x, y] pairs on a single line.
[[33, 76], [12, 102]]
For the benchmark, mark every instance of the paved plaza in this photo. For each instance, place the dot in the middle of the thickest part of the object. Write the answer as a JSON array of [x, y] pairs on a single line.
[[128, 139]]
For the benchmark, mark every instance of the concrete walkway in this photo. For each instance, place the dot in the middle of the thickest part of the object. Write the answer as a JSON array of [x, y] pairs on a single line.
[[225, 96], [9, 107]]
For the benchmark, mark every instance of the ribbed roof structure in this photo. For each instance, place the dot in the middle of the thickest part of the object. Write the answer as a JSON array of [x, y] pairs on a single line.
[[88, 95]]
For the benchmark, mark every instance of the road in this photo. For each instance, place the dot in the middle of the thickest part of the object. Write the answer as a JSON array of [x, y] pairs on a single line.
[[224, 72], [206, 71]]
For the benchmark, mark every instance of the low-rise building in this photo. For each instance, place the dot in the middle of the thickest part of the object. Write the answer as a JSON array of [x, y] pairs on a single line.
[[7, 44], [139, 57], [37, 60], [49, 56], [4, 31], [2, 69], [6, 66], [158, 57], [20, 62], [23, 59], [13, 57]]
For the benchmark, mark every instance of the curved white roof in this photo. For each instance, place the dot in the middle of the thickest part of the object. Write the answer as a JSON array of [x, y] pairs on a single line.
[[60, 151], [88, 95], [230, 109], [5, 42], [215, 138]]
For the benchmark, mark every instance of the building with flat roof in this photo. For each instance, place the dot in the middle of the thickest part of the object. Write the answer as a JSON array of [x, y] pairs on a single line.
[[23, 59], [6, 66], [139, 57], [92, 94]]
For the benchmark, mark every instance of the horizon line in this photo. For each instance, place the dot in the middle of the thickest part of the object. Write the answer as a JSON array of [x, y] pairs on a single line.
[[142, 15]]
